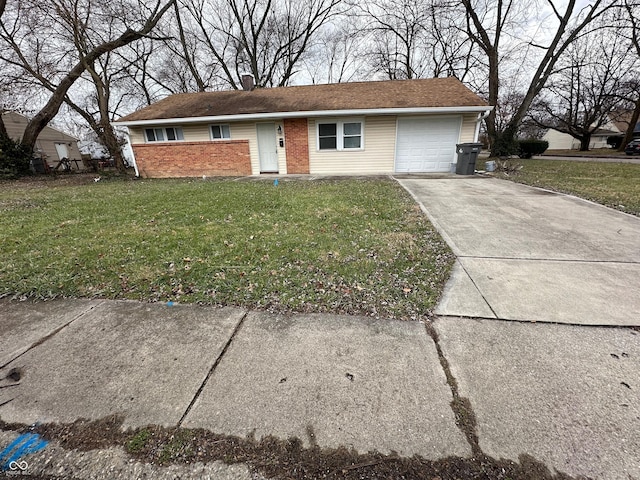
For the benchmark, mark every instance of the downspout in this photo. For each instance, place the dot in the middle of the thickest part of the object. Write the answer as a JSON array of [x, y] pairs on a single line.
[[130, 148], [481, 117]]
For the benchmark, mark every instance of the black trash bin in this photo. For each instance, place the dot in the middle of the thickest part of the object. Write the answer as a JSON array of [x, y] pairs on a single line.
[[467, 156]]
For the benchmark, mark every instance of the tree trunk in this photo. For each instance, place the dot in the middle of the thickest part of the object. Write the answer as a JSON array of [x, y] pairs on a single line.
[[635, 117], [110, 141], [105, 130], [585, 141], [3, 130]]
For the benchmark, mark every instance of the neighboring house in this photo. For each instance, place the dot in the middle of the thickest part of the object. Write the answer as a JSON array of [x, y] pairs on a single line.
[[564, 141], [52, 145], [347, 128], [621, 123], [615, 126]]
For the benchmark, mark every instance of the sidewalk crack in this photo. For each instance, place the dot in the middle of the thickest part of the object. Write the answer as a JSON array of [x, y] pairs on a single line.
[[52, 334], [212, 369], [464, 269], [461, 406]]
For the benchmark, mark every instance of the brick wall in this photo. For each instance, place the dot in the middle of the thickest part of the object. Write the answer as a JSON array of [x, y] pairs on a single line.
[[193, 159], [296, 141]]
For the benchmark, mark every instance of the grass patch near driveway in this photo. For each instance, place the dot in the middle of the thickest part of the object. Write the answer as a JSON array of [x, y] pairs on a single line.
[[615, 185], [344, 246]]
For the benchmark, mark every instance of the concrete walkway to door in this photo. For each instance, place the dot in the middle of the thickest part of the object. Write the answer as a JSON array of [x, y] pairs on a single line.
[[533, 255]]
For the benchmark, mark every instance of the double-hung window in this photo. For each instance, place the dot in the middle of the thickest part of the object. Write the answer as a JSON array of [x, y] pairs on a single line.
[[340, 134], [352, 135], [219, 132], [327, 136], [166, 134]]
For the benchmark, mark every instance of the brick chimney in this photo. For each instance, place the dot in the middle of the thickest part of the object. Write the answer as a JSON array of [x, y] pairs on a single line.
[[247, 82]]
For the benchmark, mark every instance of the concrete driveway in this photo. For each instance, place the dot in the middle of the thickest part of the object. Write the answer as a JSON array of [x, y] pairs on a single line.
[[533, 255]]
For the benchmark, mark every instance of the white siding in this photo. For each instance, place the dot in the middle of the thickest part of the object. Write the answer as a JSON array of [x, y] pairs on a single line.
[[376, 157], [196, 133], [136, 135], [468, 130], [247, 131], [558, 140], [564, 141]]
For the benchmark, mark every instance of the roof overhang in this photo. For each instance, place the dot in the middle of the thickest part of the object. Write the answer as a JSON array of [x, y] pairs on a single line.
[[307, 114]]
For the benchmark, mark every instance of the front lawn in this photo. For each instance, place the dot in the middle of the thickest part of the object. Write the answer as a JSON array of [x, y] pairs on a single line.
[[343, 246], [615, 185]]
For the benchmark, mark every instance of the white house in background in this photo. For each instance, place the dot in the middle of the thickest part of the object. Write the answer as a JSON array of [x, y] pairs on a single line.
[[616, 126], [52, 144]]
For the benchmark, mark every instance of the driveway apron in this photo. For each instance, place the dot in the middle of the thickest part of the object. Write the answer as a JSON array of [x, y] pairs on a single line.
[[533, 255]]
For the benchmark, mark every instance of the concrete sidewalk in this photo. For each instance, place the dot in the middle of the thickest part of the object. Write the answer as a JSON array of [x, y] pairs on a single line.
[[533, 255], [565, 395], [331, 380]]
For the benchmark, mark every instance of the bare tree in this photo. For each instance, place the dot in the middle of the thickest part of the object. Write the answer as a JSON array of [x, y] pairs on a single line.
[[152, 72], [632, 9], [453, 54], [337, 55], [582, 96], [398, 36], [266, 38], [410, 39], [488, 26], [188, 51], [24, 35], [3, 129]]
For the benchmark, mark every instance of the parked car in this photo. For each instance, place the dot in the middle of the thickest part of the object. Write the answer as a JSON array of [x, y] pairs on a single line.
[[633, 147]]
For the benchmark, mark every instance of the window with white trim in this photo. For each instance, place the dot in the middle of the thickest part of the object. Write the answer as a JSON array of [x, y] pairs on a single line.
[[352, 135], [165, 134], [340, 134], [327, 136], [219, 132]]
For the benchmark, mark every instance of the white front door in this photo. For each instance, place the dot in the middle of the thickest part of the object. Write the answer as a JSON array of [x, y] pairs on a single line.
[[426, 144], [63, 151], [267, 149]]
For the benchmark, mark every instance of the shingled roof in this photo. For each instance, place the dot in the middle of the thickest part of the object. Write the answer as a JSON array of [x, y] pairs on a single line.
[[392, 94]]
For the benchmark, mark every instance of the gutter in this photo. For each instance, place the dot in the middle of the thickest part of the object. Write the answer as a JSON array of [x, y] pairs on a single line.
[[133, 155], [311, 113], [481, 117]]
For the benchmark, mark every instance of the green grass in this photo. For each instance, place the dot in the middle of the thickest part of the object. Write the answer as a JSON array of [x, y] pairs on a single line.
[[138, 442], [343, 246], [615, 185], [179, 446]]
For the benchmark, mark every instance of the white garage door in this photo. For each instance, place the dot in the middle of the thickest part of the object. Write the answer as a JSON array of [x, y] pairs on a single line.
[[426, 144]]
